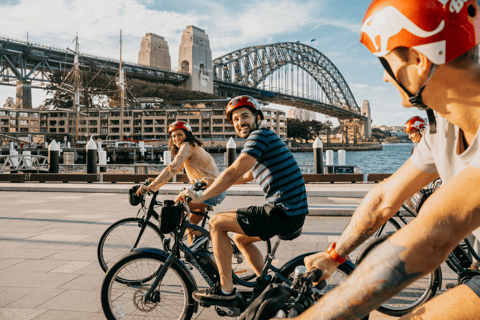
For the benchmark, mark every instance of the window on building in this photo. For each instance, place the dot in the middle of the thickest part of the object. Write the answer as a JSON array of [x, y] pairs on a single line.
[[61, 130], [34, 114], [160, 122], [171, 114], [127, 129], [115, 114], [92, 130], [137, 122], [217, 121], [217, 129], [24, 122], [126, 121], [104, 123], [195, 113], [114, 122], [3, 113], [229, 129], [92, 122], [137, 114], [104, 130], [4, 122], [115, 130], [160, 129], [13, 114], [61, 123], [23, 129], [206, 114], [160, 113], [34, 122], [205, 122], [82, 122], [13, 122], [13, 129], [22, 115], [194, 121], [147, 122], [206, 130], [195, 129], [104, 115], [218, 112], [52, 130]]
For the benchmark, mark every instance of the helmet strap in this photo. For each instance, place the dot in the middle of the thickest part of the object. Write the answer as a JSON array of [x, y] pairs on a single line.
[[416, 100]]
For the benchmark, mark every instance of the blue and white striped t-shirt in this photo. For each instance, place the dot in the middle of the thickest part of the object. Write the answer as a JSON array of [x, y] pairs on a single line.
[[277, 172]]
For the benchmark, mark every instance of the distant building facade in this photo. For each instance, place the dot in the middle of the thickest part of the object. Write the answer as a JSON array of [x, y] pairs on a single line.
[[146, 119], [301, 114]]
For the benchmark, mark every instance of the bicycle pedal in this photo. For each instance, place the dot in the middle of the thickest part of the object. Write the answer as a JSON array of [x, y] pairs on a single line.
[[450, 285]]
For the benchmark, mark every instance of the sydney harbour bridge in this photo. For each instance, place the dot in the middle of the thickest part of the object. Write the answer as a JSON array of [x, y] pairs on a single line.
[[287, 73]]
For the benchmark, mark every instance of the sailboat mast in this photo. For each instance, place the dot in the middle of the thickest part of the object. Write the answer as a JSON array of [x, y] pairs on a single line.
[[76, 102], [122, 90]]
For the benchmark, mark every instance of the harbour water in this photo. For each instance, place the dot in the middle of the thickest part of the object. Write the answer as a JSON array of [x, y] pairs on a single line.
[[387, 160]]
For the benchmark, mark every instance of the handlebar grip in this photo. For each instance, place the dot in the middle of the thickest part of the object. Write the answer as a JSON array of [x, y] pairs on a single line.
[[199, 186], [188, 199], [147, 182], [316, 274]]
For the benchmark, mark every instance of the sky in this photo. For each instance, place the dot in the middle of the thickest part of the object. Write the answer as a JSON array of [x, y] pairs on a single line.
[[230, 25]]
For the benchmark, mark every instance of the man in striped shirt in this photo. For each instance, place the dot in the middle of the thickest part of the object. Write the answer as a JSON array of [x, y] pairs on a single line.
[[265, 158]]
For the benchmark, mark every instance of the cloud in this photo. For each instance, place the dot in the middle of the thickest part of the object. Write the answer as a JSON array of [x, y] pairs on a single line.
[[337, 23]]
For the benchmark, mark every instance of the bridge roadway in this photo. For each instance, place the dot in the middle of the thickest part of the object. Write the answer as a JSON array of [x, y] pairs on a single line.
[[48, 264]]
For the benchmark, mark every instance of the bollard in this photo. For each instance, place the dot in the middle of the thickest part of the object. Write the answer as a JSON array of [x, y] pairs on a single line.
[[12, 146], [341, 157], [53, 157], [91, 156], [46, 145], [28, 159], [14, 158], [318, 156], [231, 152], [69, 146], [329, 161], [141, 144], [102, 160], [167, 157]]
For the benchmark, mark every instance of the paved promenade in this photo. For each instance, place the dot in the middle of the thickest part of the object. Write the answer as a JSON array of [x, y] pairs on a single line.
[[48, 240]]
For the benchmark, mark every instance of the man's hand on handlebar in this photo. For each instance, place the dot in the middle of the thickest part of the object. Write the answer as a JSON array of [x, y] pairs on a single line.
[[322, 261]]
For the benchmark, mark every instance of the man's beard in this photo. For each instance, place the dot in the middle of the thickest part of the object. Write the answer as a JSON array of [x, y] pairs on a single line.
[[246, 133]]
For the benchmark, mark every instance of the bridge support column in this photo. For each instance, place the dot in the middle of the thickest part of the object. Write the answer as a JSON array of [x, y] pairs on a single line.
[[367, 124], [24, 95]]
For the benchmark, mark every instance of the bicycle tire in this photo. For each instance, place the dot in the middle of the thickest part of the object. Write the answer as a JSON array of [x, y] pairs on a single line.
[[126, 299], [120, 237], [412, 296]]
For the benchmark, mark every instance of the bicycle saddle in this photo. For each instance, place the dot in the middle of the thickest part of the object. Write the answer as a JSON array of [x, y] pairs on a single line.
[[291, 236]]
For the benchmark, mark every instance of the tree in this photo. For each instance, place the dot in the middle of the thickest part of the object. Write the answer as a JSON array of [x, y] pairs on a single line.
[[305, 130]]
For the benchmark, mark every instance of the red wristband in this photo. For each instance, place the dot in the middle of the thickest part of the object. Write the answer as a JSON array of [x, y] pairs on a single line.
[[335, 256]]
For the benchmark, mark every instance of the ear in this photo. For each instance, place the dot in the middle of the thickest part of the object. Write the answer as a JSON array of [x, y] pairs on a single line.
[[422, 63], [259, 118]]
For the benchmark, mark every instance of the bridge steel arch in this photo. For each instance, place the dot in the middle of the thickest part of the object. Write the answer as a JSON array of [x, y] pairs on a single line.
[[252, 65]]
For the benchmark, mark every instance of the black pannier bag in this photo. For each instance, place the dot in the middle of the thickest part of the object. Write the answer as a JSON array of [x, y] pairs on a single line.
[[266, 305], [132, 196], [170, 216]]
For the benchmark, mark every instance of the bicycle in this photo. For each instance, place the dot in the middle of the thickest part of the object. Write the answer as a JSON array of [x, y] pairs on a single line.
[[130, 233], [425, 288], [151, 282]]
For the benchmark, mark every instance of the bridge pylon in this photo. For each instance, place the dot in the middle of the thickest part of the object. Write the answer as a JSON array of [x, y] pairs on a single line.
[[195, 58], [24, 95]]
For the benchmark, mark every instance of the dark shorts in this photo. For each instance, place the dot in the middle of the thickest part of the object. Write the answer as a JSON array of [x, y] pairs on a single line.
[[474, 284], [267, 221]]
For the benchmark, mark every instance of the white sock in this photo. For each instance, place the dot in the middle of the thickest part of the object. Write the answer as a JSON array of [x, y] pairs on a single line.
[[226, 293]]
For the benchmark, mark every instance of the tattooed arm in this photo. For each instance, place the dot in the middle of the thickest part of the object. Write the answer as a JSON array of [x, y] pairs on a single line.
[[380, 204], [446, 218]]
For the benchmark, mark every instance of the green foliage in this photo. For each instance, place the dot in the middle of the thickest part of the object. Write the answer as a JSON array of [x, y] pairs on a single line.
[[306, 130], [167, 92]]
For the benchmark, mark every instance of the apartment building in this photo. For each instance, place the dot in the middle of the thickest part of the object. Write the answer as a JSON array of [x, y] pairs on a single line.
[[146, 119]]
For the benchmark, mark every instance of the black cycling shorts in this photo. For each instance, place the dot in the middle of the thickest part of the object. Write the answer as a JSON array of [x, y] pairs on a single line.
[[474, 284], [267, 221]]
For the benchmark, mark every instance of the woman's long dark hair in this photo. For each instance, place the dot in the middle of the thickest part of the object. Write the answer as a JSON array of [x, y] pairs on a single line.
[[190, 138]]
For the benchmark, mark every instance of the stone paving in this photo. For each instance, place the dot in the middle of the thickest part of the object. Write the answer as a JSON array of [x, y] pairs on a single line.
[[48, 241]]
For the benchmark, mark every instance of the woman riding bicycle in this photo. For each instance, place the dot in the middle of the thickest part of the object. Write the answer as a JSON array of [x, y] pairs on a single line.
[[198, 163]]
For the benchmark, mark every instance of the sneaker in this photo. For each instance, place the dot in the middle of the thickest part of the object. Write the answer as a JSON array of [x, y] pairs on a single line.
[[215, 296]]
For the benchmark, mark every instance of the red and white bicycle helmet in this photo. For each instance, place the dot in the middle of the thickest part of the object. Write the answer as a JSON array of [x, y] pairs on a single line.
[[442, 30], [179, 125], [243, 102], [414, 123]]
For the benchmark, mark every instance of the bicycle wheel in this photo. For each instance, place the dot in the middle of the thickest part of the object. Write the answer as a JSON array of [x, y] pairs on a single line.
[[172, 299], [119, 239], [241, 268], [412, 296]]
